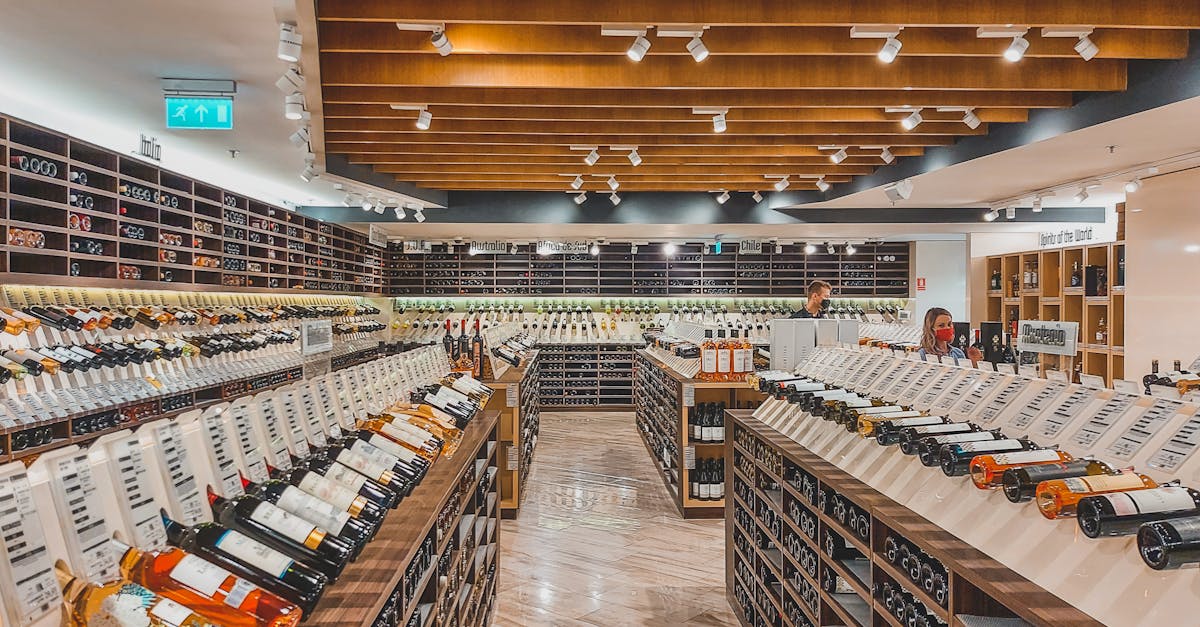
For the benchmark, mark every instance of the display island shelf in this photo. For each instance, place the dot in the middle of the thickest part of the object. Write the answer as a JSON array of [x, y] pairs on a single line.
[[515, 397]]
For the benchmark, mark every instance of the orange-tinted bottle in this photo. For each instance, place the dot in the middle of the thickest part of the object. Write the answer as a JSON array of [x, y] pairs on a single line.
[[12, 324], [396, 434], [1058, 498], [127, 603], [708, 357], [987, 471], [207, 588]]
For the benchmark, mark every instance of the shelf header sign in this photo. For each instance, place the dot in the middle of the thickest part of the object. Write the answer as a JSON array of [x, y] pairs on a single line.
[[211, 114], [1048, 337]]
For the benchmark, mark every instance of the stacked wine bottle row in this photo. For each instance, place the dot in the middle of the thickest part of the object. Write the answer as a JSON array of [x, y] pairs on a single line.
[[516, 398], [811, 545], [586, 375], [71, 209]]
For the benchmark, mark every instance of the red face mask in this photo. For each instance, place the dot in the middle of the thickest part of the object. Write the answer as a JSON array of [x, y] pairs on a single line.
[[944, 335]]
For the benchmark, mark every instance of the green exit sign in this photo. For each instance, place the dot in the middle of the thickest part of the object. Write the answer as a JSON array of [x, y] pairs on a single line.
[[200, 113]]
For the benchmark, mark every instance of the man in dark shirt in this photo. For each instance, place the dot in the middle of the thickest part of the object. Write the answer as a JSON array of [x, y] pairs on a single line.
[[818, 301]]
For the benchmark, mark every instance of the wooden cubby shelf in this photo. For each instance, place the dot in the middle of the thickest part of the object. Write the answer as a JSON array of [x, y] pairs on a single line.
[[515, 396], [586, 376], [791, 562]]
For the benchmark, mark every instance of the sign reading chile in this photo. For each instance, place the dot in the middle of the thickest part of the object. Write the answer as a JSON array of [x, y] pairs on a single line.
[[1048, 337]]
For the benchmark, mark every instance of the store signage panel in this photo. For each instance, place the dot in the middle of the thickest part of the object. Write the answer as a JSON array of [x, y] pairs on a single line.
[[377, 236], [750, 247], [545, 247], [1074, 236], [491, 247], [212, 114], [417, 247], [1048, 337], [316, 336]]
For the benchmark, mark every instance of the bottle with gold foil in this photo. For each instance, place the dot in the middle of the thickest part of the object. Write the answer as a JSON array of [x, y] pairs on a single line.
[[12, 324], [121, 603], [1059, 498], [870, 424], [428, 447], [210, 590], [987, 471]]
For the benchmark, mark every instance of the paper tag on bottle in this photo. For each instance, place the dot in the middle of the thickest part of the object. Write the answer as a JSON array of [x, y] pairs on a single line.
[[199, 575], [1104, 483], [362, 464], [327, 491], [288, 525], [170, 612], [1168, 499], [324, 515], [345, 476], [254, 553], [1025, 457], [991, 445], [238, 593], [398, 432]]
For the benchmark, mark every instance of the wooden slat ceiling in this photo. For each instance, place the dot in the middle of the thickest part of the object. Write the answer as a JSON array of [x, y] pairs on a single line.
[[528, 83]]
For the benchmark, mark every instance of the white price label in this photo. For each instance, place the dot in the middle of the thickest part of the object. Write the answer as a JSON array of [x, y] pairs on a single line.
[[254, 553]]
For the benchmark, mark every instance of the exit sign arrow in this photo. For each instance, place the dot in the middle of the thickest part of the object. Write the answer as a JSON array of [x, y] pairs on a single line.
[[199, 113]]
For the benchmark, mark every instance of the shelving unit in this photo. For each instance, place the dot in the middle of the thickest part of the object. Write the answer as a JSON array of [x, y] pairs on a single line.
[[516, 398], [586, 376], [786, 587], [149, 227], [1055, 298], [874, 270], [663, 399], [410, 574]]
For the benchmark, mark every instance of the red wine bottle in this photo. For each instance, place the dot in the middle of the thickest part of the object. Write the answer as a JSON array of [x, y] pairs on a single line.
[[1121, 513]]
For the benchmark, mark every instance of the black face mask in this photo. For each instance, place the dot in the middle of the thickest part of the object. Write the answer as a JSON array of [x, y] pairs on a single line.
[[824, 304]]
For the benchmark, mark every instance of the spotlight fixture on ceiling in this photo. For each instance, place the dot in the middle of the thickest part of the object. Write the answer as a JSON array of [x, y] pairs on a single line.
[[718, 116], [1080, 196], [900, 190], [577, 182], [697, 49], [512, 250], [723, 197], [1084, 46], [640, 46], [635, 158], [308, 173], [378, 207], [822, 184], [441, 42], [595, 249], [839, 156], [991, 215], [810, 248], [291, 82], [782, 184], [348, 199], [290, 41], [638, 49], [706, 249], [1016, 50], [669, 249], [633, 249], [890, 49], [890, 35], [580, 198], [970, 119], [778, 248], [613, 184], [293, 106], [1010, 213], [300, 138], [719, 124], [757, 196], [850, 249], [367, 203], [1037, 204], [886, 155], [399, 209], [614, 198], [592, 157], [830, 248], [424, 119], [419, 214], [913, 120], [1134, 185]]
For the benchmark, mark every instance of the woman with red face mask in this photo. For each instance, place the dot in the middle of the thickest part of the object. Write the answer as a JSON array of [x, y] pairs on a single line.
[[939, 332]]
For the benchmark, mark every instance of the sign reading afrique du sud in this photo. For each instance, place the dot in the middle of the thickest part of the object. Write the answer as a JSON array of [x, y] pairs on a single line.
[[1048, 337]]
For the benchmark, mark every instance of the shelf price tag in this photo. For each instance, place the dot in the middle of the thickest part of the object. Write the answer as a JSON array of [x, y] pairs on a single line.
[[1144, 428], [181, 481], [1098, 424], [256, 464], [1037, 404], [1180, 447], [85, 527], [511, 398], [1066, 411], [127, 466], [31, 590], [689, 395], [689, 457]]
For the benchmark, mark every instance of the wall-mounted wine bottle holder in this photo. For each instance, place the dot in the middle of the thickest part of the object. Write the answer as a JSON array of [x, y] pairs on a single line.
[[825, 548]]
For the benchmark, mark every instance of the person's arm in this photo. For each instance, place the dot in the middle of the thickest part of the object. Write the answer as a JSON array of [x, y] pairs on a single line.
[[974, 354]]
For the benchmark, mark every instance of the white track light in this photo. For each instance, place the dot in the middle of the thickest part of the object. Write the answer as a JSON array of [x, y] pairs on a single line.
[[830, 249], [580, 198], [577, 183], [1010, 213], [638, 49], [293, 106], [970, 119], [291, 82], [698, 49], [612, 183], [757, 197], [399, 212], [810, 248], [379, 207], [513, 249], [912, 121], [900, 190], [441, 42], [1086, 48], [782, 184], [991, 215], [1037, 204], [348, 200], [595, 250], [290, 41], [419, 215], [823, 185], [719, 124], [886, 155], [300, 137], [424, 119], [635, 158], [1134, 185], [669, 249], [592, 157], [850, 249], [890, 49], [308, 173], [366, 204], [614, 199], [633, 249], [839, 156], [723, 198], [1081, 196], [1016, 50]]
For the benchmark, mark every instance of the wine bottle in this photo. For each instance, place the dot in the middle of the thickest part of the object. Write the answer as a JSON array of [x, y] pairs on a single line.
[[1058, 498], [929, 450], [1170, 544], [867, 426], [910, 437], [1020, 484], [346, 477], [448, 342], [355, 527], [1121, 513], [987, 471], [250, 559], [382, 450], [708, 358], [887, 432], [383, 474], [120, 603], [955, 459], [477, 352], [289, 534], [331, 492], [32, 365], [211, 590]]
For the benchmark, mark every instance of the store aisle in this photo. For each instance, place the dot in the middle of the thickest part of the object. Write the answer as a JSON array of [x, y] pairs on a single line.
[[598, 542]]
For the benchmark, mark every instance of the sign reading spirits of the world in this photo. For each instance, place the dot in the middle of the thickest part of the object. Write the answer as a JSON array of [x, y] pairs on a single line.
[[1048, 337]]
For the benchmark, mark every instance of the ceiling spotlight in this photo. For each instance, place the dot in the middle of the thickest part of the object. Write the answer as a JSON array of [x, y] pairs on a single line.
[[1010, 213], [300, 137], [890, 49], [635, 158], [757, 197], [399, 212], [823, 185], [782, 184], [441, 42], [614, 199], [706, 249], [669, 249], [367, 203], [379, 207], [723, 198], [1016, 50], [1081, 196], [348, 200], [1134, 185], [290, 41], [577, 183], [970, 119], [513, 249], [900, 190], [595, 250], [592, 157], [291, 82], [633, 249], [991, 215], [308, 173], [839, 156], [293, 106], [886, 155], [913, 119], [580, 198], [719, 124], [424, 119], [638, 49], [850, 249], [1037, 204], [830, 248], [698, 49], [810, 248], [1086, 48], [419, 215], [612, 183]]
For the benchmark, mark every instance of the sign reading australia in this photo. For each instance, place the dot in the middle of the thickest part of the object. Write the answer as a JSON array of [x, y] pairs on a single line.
[[1050, 338]]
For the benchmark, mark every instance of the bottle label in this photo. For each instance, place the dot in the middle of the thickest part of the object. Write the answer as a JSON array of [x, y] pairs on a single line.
[[170, 612], [401, 435], [313, 509], [416, 435], [705, 433], [387, 446], [380, 456], [1169, 499], [238, 593], [916, 422], [972, 436], [1026, 457], [199, 575], [719, 433], [892, 416], [363, 465], [287, 525], [708, 360], [254, 554], [705, 491], [345, 476], [1104, 483], [949, 427], [991, 445], [723, 360], [328, 491]]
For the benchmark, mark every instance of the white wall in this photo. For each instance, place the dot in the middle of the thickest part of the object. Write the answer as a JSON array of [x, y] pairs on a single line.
[[1162, 260], [943, 265]]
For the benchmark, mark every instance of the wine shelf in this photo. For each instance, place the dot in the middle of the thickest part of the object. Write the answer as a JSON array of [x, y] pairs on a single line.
[[975, 584], [516, 397], [586, 376], [876, 270], [103, 219]]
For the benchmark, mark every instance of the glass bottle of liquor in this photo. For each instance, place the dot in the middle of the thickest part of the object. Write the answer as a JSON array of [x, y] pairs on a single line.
[[448, 342], [928, 450], [1121, 513], [383, 450], [869, 425], [326, 489], [1101, 332], [364, 518], [427, 447], [1020, 484], [1058, 498], [724, 358], [250, 559], [887, 432], [347, 477], [120, 603], [708, 357], [211, 590], [956, 458], [477, 352], [987, 471], [1170, 544], [1026, 276], [12, 324], [287, 533], [15, 370], [1076, 275], [997, 282]]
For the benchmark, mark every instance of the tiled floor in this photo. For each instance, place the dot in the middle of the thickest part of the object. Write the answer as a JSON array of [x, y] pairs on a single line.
[[598, 542]]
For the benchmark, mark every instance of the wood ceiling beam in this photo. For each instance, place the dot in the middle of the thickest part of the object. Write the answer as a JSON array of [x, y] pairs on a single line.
[[573, 161], [698, 125], [435, 151], [624, 169], [759, 73], [762, 186], [712, 139], [645, 114], [675, 98], [1169, 14], [541, 39]]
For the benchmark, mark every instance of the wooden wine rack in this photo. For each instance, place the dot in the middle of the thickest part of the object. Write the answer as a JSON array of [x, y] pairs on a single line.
[[519, 426], [977, 584], [253, 246]]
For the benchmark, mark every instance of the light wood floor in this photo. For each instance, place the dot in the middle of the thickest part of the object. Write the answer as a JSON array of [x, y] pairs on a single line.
[[598, 542]]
